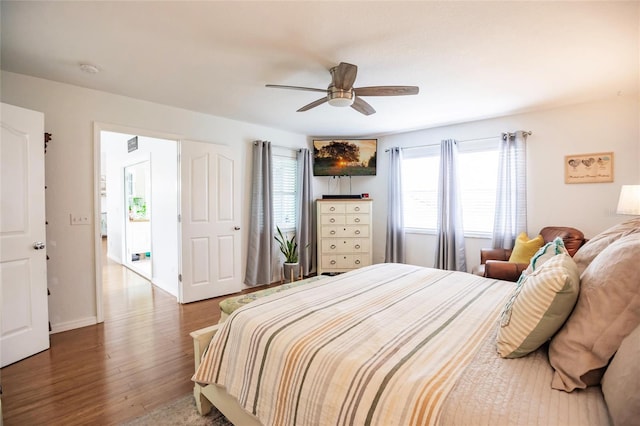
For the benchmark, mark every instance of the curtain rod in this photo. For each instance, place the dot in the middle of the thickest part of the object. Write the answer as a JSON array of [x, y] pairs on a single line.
[[528, 133], [280, 146]]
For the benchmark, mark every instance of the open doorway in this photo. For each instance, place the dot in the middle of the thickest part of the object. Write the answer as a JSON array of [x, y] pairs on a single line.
[[193, 258], [139, 205], [137, 230]]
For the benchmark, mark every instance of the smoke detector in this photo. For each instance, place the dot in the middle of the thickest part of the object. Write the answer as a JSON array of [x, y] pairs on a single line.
[[89, 68]]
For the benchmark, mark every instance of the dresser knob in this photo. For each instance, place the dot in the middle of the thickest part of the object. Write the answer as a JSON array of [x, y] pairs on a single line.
[[332, 220], [357, 262], [332, 209], [333, 262], [333, 246], [356, 220], [357, 246], [357, 209], [357, 232], [332, 232]]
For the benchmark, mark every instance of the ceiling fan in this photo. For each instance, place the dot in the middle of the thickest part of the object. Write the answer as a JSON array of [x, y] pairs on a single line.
[[341, 92]]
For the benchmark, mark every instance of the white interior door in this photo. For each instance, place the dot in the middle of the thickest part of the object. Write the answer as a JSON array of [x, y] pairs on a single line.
[[24, 328], [210, 221]]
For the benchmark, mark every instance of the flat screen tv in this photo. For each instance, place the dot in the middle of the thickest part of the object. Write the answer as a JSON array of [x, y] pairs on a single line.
[[344, 157]]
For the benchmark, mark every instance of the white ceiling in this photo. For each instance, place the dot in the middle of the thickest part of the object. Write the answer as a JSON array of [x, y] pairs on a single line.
[[471, 60]]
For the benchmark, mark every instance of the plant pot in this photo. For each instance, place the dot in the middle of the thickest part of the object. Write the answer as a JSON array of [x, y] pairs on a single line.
[[291, 271]]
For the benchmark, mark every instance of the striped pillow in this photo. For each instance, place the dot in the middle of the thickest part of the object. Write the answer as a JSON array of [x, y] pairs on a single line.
[[539, 305]]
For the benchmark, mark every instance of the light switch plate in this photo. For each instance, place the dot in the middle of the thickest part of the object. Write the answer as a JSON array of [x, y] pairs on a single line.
[[79, 219]]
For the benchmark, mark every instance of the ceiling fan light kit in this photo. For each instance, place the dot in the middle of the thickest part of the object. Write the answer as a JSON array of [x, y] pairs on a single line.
[[340, 98], [341, 92]]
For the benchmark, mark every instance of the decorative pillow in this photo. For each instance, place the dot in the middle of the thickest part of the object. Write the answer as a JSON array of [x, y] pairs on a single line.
[[545, 253], [595, 245], [538, 307], [621, 382], [608, 309], [525, 248]]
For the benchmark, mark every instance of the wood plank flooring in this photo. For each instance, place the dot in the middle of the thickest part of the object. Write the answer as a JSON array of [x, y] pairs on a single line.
[[140, 358]]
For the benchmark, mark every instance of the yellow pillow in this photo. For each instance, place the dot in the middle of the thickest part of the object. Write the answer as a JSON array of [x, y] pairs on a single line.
[[525, 248]]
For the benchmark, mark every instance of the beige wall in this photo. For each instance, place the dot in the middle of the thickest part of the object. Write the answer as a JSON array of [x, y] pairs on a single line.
[[70, 113]]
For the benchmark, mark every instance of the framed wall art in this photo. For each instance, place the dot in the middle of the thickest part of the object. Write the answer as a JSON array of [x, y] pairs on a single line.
[[588, 168]]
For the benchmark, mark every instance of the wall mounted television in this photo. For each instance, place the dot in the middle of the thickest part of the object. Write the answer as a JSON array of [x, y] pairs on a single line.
[[344, 157]]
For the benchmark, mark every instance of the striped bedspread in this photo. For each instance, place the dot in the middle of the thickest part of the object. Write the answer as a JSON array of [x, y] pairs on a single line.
[[382, 345]]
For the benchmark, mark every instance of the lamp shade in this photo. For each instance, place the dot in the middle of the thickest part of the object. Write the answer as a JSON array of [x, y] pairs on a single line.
[[629, 202]]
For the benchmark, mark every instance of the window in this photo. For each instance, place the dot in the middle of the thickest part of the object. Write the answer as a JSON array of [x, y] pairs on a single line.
[[285, 177], [420, 191], [477, 169]]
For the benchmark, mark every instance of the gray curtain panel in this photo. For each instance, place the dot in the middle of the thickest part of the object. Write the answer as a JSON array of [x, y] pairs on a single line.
[[394, 251], [305, 233], [511, 195], [450, 253], [261, 250]]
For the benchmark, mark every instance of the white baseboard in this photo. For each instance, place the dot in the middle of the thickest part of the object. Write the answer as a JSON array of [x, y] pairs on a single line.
[[166, 288], [71, 325]]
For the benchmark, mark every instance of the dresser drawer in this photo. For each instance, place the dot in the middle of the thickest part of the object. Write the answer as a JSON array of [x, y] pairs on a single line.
[[346, 245], [332, 208], [357, 207], [345, 231], [344, 261], [357, 219], [333, 219]]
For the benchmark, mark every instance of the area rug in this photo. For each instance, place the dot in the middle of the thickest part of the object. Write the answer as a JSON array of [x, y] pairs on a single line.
[[181, 412]]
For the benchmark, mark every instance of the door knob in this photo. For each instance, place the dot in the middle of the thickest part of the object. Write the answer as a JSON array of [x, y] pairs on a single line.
[[38, 245], [236, 228]]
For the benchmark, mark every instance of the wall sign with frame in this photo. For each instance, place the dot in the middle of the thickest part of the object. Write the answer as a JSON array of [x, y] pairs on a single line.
[[588, 168]]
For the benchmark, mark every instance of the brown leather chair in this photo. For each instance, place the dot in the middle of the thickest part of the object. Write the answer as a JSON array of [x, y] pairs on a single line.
[[494, 263]]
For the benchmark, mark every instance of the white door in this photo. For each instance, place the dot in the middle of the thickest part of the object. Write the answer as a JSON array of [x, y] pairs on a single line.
[[24, 328], [210, 221]]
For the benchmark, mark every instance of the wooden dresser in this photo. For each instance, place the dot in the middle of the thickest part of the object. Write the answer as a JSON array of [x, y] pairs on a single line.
[[344, 234]]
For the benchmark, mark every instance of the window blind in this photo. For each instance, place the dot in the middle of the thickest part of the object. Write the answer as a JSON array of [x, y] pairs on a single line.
[[285, 171]]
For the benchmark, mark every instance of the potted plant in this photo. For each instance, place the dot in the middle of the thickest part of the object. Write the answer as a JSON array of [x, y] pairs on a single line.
[[289, 249]]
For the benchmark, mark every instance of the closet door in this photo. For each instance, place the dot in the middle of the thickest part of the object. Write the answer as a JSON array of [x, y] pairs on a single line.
[[24, 327]]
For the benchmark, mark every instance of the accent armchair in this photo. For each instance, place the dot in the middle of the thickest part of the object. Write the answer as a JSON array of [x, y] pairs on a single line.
[[494, 263]]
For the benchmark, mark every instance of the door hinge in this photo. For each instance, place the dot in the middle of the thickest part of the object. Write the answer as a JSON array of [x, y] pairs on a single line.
[[179, 218], [180, 277]]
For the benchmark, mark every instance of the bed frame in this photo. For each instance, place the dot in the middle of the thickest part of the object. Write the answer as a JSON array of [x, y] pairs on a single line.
[[212, 395]]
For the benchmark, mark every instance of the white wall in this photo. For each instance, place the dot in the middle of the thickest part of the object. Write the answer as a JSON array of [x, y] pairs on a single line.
[[70, 114], [609, 125]]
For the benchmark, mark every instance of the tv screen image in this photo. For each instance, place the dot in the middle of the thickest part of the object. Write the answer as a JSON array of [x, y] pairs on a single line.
[[344, 157]]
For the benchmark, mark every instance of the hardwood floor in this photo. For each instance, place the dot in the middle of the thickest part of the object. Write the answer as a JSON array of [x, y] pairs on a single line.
[[140, 358]]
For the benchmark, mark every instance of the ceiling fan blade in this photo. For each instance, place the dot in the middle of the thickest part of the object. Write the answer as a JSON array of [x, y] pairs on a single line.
[[386, 90], [308, 89], [313, 104], [363, 107], [344, 75]]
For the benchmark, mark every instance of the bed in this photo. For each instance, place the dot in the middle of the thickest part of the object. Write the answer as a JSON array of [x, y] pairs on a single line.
[[388, 344]]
